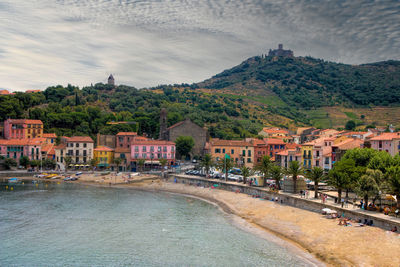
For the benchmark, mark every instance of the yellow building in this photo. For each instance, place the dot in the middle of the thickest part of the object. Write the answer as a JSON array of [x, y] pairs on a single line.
[[241, 152], [104, 156], [307, 154]]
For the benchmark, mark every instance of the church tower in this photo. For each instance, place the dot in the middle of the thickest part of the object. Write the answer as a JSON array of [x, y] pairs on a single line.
[[111, 80], [163, 124]]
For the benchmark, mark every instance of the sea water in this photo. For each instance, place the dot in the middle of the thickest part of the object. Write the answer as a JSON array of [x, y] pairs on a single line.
[[66, 224]]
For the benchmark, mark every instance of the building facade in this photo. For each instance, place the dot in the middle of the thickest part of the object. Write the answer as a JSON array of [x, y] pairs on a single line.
[[240, 152], [22, 129], [80, 149], [104, 156], [152, 151]]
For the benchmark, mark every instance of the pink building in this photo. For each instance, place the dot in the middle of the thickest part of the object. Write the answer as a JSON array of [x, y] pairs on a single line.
[[16, 148], [123, 148], [22, 128], [152, 151], [389, 142]]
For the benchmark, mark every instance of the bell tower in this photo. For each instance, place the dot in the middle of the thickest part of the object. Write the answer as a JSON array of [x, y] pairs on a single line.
[[163, 124]]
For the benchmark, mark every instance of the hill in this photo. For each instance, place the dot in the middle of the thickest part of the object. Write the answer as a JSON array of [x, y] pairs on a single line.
[[279, 91]]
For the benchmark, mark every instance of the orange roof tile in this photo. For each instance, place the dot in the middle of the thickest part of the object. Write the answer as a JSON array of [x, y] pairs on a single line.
[[49, 135], [103, 148], [21, 142], [274, 141], [152, 142], [127, 133], [27, 121], [386, 137], [220, 142], [32, 91], [86, 139]]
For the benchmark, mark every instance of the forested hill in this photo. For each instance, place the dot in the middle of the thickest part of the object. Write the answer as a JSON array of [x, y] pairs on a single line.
[[237, 103], [310, 83]]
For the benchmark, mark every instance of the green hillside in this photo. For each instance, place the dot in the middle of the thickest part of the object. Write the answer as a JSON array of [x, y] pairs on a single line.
[[237, 103]]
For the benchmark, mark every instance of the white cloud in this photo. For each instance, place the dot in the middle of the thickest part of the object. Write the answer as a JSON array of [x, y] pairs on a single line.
[[146, 43]]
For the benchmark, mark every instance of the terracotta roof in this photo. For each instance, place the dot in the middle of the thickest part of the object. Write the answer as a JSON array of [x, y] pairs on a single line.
[[275, 130], [127, 133], [49, 135], [292, 145], [122, 150], [86, 139], [176, 125], [152, 142], [286, 152], [103, 148], [349, 144], [274, 141], [220, 142], [60, 146], [327, 151], [21, 142], [32, 91], [47, 147], [5, 92], [255, 141], [140, 138], [386, 137], [17, 121]]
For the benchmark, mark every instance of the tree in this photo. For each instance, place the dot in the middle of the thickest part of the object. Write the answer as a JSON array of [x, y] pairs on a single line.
[[93, 163], [67, 161], [367, 185], [264, 167], [294, 170], [163, 162], [246, 172], [226, 164], [276, 174], [24, 161], [350, 125], [9, 163], [117, 161], [340, 175], [316, 175], [49, 163], [184, 145], [394, 182], [140, 163], [207, 163]]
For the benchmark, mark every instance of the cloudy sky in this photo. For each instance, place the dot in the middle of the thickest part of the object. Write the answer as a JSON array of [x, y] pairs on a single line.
[[150, 42]]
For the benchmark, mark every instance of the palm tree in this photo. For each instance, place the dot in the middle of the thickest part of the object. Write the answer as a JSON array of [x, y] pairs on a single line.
[[93, 163], [226, 164], [246, 172], [276, 174], [367, 185], [316, 175], [163, 162], [117, 162], [207, 163], [294, 170], [67, 161], [140, 163], [394, 182], [264, 167]]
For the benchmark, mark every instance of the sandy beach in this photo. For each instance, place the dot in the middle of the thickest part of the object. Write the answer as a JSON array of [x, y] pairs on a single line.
[[333, 244]]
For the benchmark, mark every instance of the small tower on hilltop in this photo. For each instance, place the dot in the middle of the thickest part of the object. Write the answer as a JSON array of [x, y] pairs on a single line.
[[163, 124], [111, 80]]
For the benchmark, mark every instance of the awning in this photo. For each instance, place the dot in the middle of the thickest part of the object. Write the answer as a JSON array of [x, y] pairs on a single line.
[[154, 162]]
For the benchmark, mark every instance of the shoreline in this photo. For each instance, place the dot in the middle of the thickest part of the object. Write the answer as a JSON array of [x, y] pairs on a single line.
[[313, 238]]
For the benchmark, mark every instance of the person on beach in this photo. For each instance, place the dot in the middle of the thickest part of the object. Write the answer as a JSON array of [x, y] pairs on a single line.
[[394, 229], [342, 202]]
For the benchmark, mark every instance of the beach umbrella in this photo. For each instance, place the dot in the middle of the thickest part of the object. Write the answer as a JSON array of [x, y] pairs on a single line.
[[325, 210]]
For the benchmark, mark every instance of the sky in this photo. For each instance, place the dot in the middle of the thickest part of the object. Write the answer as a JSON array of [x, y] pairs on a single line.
[[152, 42]]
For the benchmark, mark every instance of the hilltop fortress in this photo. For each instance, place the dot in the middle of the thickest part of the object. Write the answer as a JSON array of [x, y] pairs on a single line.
[[280, 52]]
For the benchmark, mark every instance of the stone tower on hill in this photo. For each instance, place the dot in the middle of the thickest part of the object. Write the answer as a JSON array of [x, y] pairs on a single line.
[[111, 80], [280, 52]]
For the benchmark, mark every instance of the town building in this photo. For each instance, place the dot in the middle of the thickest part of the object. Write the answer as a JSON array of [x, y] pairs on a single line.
[[274, 146], [123, 148], [104, 156], [273, 132], [50, 138], [389, 142], [22, 128], [260, 149], [17, 148], [188, 128], [240, 152], [283, 158], [110, 80], [152, 151], [80, 149]]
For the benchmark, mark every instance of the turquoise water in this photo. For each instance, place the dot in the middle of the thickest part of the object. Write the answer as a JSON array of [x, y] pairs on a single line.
[[74, 225]]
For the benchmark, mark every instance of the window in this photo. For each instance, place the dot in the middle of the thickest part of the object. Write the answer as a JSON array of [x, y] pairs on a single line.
[[317, 153], [326, 160], [84, 159], [122, 155], [158, 155], [159, 149], [232, 151], [165, 155], [317, 163], [223, 150], [217, 150], [144, 155], [144, 149], [276, 147], [76, 159], [62, 159], [77, 145], [249, 153], [136, 149], [249, 160], [173, 149], [271, 147], [165, 149], [84, 153], [70, 152], [76, 152], [84, 144], [120, 140], [136, 155], [152, 149]]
